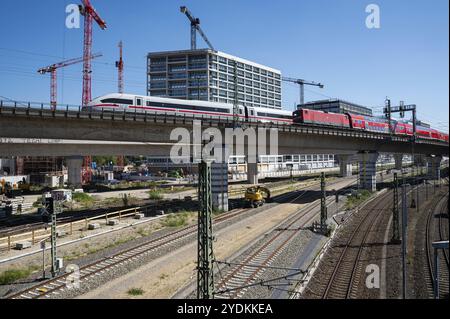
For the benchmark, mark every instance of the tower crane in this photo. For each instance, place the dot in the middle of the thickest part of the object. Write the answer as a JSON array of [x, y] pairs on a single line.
[[302, 84], [195, 27], [90, 15], [119, 66], [52, 70]]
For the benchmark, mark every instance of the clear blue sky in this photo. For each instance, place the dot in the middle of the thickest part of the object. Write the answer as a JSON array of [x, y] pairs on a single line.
[[320, 40]]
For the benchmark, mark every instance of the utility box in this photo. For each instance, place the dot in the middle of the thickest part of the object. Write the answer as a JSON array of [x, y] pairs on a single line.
[[23, 245], [59, 263]]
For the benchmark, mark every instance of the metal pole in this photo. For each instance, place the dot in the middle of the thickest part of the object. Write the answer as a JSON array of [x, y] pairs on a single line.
[[302, 93], [43, 259], [53, 245], [323, 204], [205, 275], [436, 274], [404, 227], [395, 212]]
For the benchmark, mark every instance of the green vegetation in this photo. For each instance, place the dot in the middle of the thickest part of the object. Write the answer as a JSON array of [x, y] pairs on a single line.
[[155, 194], [11, 275], [358, 198], [82, 198], [176, 220], [135, 291]]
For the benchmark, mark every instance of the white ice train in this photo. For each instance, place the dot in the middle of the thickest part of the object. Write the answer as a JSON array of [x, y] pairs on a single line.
[[197, 109]]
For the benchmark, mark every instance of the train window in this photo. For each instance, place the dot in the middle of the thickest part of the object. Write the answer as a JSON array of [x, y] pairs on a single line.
[[138, 102], [117, 101]]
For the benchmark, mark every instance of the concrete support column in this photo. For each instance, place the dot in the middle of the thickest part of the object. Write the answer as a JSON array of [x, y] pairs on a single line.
[[368, 170], [344, 165], [74, 166], [252, 173], [219, 185], [398, 158], [434, 167]]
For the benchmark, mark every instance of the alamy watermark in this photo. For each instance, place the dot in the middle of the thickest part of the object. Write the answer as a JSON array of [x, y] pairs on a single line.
[[73, 16], [213, 145], [73, 277], [373, 276], [373, 19]]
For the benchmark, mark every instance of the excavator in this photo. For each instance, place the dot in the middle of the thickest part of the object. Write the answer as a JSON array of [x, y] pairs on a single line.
[[256, 196]]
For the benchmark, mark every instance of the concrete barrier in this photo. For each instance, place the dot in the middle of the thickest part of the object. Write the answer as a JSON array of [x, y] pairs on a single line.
[[93, 226]]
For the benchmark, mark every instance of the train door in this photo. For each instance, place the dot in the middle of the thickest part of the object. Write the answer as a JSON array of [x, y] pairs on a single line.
[[252, 114], [246, 113], [138, 101]]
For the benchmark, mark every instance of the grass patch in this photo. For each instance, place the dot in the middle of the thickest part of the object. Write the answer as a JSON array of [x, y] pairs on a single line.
[[176, 220], [82, 198], [155, 194], [357, 198], [11, 275], [135, 292]]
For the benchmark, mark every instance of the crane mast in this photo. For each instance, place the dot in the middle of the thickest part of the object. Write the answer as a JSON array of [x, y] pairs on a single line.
[[302, 84], [195, 27], [119, 66], [90, 15]]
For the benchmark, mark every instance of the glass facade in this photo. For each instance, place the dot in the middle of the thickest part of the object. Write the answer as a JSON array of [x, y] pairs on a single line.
[[210, 76]]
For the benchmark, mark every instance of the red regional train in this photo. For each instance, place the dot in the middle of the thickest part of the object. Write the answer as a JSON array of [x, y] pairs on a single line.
[[366, 123]]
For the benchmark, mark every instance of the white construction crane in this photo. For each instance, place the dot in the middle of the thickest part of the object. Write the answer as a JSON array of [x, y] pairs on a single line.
[[302, 84], [195, 27]]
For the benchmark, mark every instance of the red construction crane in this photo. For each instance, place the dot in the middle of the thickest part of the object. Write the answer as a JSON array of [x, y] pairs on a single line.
[[119, 66], [52, 70], [89, 13]]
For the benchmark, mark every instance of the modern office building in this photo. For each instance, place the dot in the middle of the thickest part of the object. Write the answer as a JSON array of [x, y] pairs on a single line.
[[208, 75], [337, 106]]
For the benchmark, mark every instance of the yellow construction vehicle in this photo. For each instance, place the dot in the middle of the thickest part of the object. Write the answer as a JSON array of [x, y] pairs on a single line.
[[256, 196]]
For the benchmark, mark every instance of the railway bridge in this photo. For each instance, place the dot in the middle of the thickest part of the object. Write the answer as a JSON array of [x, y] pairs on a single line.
[[33, 130]]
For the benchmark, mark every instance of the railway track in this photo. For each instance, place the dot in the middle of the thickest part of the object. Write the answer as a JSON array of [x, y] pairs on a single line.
[[346, 272], [437, 230], [58, 285], [247, 273]]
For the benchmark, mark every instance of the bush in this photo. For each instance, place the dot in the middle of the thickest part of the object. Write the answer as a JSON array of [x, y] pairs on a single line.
[[155, 194], [176, 220], [135, 291], [82, 198], [11, 275]]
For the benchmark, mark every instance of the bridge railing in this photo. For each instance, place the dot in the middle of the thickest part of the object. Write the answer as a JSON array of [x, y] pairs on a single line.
[[39, 105]]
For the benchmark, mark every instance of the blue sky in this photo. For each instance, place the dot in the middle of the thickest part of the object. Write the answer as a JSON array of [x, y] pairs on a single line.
[[319, 40]]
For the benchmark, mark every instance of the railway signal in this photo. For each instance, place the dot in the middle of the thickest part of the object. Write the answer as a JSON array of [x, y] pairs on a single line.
[[52, 70]]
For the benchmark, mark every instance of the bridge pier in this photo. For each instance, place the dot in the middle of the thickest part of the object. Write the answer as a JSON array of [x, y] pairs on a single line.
[[252, 173], [398, 158], [434, 167], [368, 170], [345, 165], [74, 166]]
